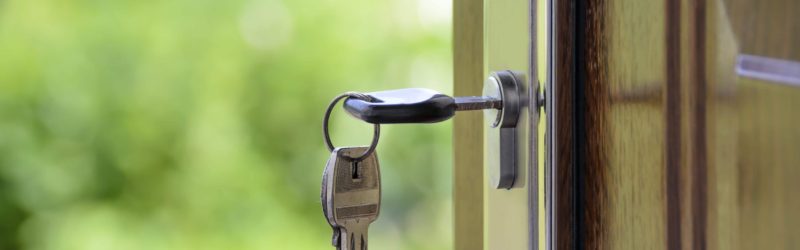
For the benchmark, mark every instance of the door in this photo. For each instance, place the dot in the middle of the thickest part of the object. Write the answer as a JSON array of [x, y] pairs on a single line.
[[669, 124], [494, 36]]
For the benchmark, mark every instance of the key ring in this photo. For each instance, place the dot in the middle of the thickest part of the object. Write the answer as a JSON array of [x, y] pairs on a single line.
[[375, 136]]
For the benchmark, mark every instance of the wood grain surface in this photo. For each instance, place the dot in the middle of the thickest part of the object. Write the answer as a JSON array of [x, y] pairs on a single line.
[[755, 205], [562, 137], [659, 144], [468, 127]]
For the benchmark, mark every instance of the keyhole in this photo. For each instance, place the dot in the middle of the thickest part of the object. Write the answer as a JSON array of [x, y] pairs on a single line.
[[354, 170]]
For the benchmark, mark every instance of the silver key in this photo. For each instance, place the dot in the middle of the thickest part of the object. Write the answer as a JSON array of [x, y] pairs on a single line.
[[353, 196]]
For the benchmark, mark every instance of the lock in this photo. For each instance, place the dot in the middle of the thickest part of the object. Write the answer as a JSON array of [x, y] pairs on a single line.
[[502, 101], [500, 134]]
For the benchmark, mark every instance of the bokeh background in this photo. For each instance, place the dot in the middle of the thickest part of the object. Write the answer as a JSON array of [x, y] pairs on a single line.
[[195, 124]]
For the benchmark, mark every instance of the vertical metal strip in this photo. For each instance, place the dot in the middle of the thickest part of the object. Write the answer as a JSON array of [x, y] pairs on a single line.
[[548, 137], [550, 146], [533, 131]]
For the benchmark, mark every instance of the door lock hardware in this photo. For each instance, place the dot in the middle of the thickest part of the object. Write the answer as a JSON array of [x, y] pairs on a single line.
[[502, 101], [501, 149]]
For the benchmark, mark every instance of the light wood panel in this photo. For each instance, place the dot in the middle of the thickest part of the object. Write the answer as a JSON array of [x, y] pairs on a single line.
[[468, 126], [753, 197]]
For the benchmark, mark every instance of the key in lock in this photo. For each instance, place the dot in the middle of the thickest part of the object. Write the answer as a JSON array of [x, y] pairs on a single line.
[[503, 101]]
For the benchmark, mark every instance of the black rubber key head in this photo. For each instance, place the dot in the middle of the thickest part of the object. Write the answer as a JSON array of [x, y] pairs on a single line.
[[415, 105]]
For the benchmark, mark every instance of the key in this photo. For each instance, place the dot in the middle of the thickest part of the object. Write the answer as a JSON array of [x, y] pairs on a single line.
[[415, 105], [353, 196], [324, 198]]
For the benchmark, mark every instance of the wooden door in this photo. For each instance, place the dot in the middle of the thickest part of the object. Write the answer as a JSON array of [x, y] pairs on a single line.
[[665, 141], [670, 124]]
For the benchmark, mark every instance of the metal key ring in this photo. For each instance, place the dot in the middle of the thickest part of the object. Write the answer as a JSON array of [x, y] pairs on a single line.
[[375, 136]]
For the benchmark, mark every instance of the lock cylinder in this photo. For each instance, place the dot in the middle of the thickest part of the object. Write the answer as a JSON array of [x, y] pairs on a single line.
[[501, 151]]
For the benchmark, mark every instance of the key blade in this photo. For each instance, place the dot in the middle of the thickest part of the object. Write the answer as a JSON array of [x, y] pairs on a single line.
[[355, 236], [464, 103]]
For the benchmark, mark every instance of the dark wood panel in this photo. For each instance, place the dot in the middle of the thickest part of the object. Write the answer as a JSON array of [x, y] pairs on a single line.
[[625, 52], [561, 127]]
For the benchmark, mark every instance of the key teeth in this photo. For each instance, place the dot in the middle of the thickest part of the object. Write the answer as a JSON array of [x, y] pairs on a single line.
[[352, 242], [363, 245]]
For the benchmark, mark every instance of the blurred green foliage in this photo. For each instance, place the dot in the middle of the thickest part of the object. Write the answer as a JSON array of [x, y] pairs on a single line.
[[195, 124]]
